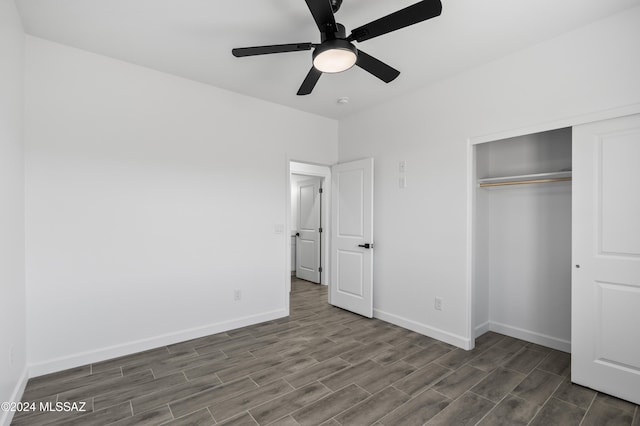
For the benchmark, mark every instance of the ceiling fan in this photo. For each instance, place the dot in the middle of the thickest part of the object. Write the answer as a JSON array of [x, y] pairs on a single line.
[[336, 52]]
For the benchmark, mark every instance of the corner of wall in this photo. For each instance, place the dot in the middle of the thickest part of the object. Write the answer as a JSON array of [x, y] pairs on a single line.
[[16, 396], [13, 372], [436, 333]]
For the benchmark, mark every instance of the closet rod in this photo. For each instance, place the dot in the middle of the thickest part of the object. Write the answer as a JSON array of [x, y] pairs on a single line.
[[524, 182]]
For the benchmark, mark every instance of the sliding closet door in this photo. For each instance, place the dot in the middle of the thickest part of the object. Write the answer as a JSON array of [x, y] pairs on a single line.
[[606, 257]]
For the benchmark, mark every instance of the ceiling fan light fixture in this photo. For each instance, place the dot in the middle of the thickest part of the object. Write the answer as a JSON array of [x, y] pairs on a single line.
[[335, 56]]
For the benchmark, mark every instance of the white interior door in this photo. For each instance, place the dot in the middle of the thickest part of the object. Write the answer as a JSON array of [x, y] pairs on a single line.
[[308, 241], [352, 237], [606, 257]]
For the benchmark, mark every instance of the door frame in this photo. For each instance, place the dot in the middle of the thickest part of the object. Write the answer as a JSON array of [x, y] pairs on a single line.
[[472, 142], [312, 170]]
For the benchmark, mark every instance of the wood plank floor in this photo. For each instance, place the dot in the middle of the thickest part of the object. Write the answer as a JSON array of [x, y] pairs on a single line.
[[323, 365]]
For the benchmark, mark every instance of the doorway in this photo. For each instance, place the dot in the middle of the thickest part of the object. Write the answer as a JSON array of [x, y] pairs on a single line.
[[347, 255], [311, 245]]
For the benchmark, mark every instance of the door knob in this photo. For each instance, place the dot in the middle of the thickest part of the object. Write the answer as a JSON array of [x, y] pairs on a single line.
[[366, 245]]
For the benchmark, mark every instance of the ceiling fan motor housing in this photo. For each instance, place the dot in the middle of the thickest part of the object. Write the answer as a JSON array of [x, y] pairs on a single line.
[[337, 32]]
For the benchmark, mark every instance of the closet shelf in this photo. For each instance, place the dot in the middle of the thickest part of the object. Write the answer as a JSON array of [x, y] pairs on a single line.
[[525, 179]]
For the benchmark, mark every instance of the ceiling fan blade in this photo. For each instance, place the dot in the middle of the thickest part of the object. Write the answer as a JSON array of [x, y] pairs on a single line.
[[266, 50], [309, 82], [376, 67], [322, 12], [413, 14]]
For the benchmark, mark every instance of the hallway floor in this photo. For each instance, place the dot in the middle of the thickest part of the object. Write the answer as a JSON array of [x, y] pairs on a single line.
[[323, 365]]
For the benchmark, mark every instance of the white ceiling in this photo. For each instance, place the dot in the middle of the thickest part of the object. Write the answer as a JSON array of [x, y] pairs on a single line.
[[194, 38]]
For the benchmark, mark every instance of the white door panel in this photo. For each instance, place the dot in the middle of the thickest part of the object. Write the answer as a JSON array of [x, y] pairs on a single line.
[[308, 244], [352, 237], [350, 273], [350, 215], [606, 257], [619, 173], [307, 260]]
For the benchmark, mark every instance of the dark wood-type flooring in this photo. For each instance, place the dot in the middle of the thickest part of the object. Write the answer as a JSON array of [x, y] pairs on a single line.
[[323, 365]]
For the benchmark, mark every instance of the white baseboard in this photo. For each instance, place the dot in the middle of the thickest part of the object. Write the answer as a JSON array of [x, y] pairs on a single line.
[[481, 329], [16, 396], [530, 336], [102, 354], [444, 336]]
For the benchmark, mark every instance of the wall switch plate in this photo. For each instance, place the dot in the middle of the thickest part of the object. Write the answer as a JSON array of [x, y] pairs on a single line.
[[237, 295], [402, 182], [402, 166], [438, 304], [279, 228]]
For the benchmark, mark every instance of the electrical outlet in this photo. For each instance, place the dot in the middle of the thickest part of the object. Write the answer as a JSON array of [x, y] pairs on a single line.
[[237, 295], [438, 304], [402, 182], [402, 166]]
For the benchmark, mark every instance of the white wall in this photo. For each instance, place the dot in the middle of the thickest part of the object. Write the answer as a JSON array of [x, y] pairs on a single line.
[[421, 231], [12, 283], [150, 198], [530, 263]]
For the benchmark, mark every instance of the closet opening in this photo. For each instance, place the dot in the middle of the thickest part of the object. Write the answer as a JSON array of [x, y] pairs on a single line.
[[522, 238]]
